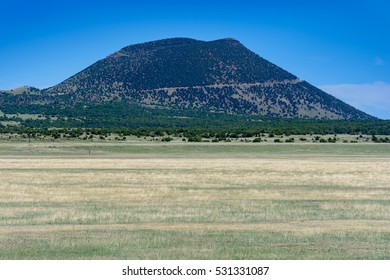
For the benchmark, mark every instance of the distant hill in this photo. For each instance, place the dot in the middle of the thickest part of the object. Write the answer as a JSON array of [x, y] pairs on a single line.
[[21, 90], [220, 76], [186, 74]]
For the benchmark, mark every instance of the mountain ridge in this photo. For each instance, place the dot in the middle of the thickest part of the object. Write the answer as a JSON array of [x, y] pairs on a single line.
[[216, 76]]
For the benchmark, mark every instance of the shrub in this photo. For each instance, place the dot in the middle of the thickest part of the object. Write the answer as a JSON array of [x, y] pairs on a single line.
[[195, 139], [167, 139]]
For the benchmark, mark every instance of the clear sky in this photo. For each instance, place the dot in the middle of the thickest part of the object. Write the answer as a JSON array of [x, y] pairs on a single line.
[[340, 46]]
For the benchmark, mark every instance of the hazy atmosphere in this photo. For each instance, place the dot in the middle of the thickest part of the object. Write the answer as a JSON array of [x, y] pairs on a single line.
[[341, 48]]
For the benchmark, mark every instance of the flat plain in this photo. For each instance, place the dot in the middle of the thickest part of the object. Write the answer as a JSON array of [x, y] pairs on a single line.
[[139, 200]]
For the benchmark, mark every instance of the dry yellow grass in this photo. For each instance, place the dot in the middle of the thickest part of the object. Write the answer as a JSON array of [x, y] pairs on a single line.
[[105, 206]]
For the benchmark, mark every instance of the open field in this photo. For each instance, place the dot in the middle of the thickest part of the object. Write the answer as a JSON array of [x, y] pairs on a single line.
[[78, 200]]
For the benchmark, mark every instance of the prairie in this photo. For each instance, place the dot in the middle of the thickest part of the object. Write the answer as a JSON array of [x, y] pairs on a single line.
[[77, 200]]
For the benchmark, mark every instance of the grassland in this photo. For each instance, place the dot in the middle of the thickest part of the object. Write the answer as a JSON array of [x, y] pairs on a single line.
[[78, 200]]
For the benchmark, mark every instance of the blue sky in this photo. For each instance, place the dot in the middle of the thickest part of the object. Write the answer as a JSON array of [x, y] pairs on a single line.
[[340, 46]]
